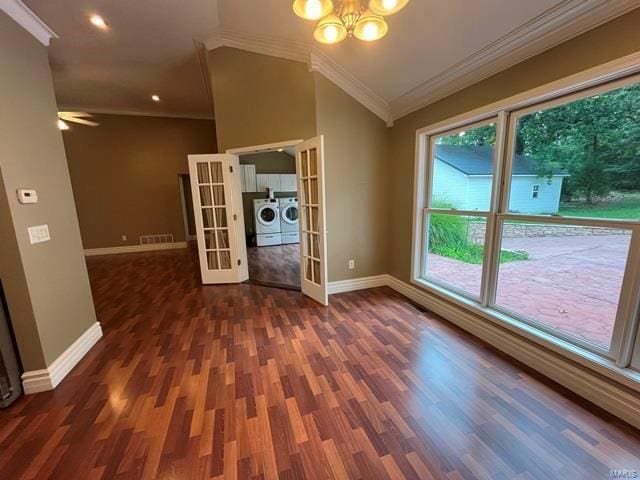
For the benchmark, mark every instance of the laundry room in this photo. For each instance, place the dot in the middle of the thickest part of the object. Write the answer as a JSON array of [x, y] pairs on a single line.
[[270, 203]]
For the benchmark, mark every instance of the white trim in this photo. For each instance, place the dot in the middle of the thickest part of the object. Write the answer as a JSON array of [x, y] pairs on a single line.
[[309, 53], [591, 77], [28, 20], [557, 25], [321, 63], [135, 113], [49, 378], [90, 252], [362, 283], [267, 147], [613, 397]]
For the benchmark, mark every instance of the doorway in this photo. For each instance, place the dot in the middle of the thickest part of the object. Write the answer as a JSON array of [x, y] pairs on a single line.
[[216, 187], [271, 217]]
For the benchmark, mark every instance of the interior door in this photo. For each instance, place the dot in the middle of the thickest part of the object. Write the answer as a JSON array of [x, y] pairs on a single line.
[[217, 206], [313, 235]]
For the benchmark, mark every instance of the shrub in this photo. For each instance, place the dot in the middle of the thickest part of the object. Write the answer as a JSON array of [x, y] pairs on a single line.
[[446, 230]]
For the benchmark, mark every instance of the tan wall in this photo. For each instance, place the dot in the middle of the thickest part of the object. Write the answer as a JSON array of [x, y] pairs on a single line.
[[357, 164], [46, 284], [260, 99], [610, 41], [125, 175]]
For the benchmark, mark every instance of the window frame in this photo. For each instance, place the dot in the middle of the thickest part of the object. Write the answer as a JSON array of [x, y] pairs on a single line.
[[624, 351], [486, 214]]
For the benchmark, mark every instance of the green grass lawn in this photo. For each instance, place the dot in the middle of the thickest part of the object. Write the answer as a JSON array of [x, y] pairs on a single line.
[[472, 253], [628, 207]]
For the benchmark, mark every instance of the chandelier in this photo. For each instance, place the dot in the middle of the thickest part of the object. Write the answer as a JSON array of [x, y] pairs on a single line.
[[348, 18]]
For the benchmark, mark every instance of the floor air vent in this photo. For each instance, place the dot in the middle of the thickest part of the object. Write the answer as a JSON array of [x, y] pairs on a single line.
[[156, 239]]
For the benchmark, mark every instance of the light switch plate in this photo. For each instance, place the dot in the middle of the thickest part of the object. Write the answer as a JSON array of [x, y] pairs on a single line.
[[39, 234], [27, 195]]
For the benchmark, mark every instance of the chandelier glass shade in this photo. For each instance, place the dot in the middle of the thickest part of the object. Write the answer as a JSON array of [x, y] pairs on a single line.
[[312, 9], [348, 18]]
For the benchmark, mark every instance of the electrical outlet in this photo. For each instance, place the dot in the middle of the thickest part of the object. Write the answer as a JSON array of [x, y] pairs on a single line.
[[124, 238], [352, 264]]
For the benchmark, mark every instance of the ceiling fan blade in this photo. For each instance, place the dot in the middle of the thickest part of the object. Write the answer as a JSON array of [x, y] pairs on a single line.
[[81, 121], [75, 114]]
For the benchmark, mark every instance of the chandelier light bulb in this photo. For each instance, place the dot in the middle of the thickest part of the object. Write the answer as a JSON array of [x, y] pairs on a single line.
[[312, 9], [387, 7], [330, 30], [370, 27], [331, 33], [370, 31]]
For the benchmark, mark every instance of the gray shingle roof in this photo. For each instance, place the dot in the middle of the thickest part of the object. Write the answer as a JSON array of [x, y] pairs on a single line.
[[474, 160]]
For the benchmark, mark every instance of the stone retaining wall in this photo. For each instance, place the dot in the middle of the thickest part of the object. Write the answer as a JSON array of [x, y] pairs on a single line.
[[528, 230]]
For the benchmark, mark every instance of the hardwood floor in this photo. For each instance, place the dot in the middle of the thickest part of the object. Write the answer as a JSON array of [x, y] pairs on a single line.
[[251, 382], [278, 265]]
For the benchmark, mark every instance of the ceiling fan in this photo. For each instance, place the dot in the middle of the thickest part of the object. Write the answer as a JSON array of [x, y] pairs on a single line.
[[75, 117]]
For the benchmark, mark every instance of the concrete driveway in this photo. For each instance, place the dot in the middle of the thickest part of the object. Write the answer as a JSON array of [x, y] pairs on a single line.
[[571, 283]]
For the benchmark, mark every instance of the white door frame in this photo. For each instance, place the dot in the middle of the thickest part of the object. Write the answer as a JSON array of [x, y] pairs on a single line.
[[267, 147]]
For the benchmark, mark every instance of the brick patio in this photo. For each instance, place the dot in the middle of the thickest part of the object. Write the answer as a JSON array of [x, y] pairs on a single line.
[[570, 283]]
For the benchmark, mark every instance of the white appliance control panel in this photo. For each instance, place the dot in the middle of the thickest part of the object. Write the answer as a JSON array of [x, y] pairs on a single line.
[[26, 195], [39, 234]]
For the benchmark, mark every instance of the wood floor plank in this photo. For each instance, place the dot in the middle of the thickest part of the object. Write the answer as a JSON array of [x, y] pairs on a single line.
[[249, 382]]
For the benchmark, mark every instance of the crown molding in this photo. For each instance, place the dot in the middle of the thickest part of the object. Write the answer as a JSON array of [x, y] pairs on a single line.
[[306, 52], [319, 62], [137, 113], [28, 20], [558, 24], [264, 44]]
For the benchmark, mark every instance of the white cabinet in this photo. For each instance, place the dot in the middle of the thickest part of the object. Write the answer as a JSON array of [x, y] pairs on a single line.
[[268, 180], [248, 178], [288, 182]]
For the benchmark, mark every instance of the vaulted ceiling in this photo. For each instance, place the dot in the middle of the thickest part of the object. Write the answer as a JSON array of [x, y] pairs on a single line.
[[432, 49]]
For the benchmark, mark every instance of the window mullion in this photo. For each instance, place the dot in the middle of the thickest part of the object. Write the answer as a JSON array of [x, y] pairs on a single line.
[[492, 237]]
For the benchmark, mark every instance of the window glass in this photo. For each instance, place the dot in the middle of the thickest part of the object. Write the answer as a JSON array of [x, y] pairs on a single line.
[[584, 156], [462, 166], [571, 279], [456, 251]]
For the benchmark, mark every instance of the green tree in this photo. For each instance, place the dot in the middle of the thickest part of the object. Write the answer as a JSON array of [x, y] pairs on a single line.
[[596, 140]]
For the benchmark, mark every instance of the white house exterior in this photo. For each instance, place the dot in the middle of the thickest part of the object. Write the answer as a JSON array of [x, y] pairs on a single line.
[[462, 179]]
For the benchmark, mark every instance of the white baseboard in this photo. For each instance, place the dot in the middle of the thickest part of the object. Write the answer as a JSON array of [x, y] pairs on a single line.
[[89, 252], [47, 379], [361, 283]]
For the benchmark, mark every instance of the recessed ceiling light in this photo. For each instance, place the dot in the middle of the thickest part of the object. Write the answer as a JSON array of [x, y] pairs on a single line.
[[98, 21], [155, 98]]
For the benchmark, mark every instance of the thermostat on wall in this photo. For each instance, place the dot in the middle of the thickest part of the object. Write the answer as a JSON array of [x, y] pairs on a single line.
[[26, 195]]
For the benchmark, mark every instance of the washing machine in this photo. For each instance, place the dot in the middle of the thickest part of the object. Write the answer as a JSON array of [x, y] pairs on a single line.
[[289, 218], [267, 214]]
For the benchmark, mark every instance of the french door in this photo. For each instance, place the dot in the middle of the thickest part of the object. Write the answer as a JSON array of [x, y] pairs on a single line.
[[217, 206], [313, 235]]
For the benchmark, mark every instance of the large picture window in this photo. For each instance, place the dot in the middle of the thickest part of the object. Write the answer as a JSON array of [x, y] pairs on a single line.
[[534, 214]]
